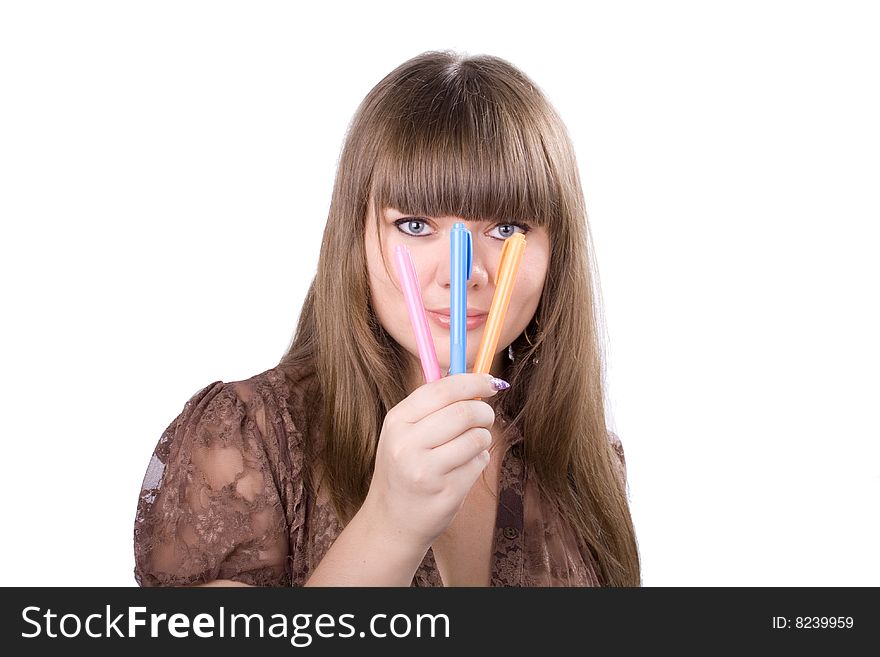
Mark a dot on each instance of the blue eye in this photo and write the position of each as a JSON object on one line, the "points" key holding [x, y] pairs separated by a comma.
{"points": [[410, 221], [512, 226]]}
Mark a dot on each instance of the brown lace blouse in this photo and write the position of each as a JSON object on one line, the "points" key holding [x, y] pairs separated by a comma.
{"points": [[223, 498]]}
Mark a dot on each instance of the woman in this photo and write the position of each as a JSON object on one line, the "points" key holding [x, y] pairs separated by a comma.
{"points": [[339, 466]]}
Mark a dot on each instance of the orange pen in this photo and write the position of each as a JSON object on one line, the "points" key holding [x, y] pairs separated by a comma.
{"points": [[511, 256]]}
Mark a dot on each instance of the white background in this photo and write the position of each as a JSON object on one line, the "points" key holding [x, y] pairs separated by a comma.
{"points": [[165, 172]]}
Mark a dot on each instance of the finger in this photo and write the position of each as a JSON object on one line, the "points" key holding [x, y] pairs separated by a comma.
{"points": [[464, 476], [435, 395], [460, 450], [452, 421]]}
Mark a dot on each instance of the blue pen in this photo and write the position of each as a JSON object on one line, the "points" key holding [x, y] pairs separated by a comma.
{"points": [[461, 257]]}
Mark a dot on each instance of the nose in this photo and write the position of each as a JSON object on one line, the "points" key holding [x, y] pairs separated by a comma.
{"points": [[479, 267]]}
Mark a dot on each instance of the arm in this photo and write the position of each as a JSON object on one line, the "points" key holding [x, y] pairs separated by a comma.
{"points": [[364, 554], [222, 582]]}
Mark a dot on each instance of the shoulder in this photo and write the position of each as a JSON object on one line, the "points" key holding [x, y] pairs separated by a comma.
{"points": [[617, 447], [282, 405], [265, 396], [267, 406], [295, 390]]}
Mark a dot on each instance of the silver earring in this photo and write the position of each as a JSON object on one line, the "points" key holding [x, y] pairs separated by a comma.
{"points": [[535, 360]]}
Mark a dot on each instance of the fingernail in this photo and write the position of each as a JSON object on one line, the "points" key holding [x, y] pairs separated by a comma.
{"points": [[499, 384]]}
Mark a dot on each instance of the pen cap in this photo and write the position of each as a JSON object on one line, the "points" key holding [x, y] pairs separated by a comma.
{"points": [[462, 247], [470, 255], [460, 264]]}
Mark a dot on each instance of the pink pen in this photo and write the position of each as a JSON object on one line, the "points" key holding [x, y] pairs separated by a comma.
{"points": [[406, 272]]}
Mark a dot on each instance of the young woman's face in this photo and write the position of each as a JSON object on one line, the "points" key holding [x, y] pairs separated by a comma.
{"points": [[428, 241]]}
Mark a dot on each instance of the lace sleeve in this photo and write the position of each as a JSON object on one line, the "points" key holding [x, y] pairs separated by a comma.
{"points": [[208, 507]]}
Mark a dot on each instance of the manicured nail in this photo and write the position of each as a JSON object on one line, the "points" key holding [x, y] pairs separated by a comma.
{"points": [[499, 384]]}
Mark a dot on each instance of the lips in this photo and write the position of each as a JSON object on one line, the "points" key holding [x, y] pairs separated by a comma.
{"points": [[443, 320], [471, 312]]}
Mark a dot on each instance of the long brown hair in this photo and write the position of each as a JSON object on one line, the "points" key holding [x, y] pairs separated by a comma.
{"points": [[470, 136]]}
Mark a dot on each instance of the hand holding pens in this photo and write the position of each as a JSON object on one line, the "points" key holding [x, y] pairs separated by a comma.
{"points": [[427, 423]]}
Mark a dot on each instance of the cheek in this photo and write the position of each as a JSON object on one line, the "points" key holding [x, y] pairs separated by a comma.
{"points": [[527, 292], [380, 279], [530, 280], [375, 275], [385, 296]]}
